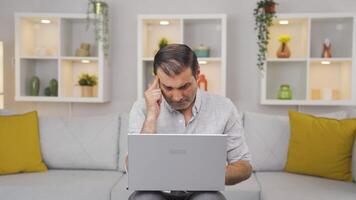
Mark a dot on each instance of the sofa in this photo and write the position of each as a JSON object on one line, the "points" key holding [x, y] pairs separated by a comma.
{"points": [[85, 158]]}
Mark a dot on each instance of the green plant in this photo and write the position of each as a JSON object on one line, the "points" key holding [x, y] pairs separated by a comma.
{"points": [[264, 14], [87, 80], [162, 43], [100, 11]]}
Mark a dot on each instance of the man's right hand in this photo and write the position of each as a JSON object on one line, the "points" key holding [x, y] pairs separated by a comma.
{"points": [[153, 97]]}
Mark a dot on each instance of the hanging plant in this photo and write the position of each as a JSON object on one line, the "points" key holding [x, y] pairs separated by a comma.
{"points": [[264, 14], [100, 11]]}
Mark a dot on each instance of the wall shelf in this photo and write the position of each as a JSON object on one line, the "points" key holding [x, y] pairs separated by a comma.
{"points": [[47, 49], [193, 30], [314, 80]]}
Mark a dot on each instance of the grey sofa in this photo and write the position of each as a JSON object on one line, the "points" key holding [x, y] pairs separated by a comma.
{"points": [[268, 181]]}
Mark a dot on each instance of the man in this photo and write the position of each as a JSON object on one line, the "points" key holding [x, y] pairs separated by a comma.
{"points": [[174, 104]]}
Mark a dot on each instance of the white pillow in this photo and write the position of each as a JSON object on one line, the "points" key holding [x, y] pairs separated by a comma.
{"points": [[80, 143], [124, 128], [267, 137]]}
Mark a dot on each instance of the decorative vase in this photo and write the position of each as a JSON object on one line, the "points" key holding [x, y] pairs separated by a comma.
{"points": [[35, 86], [202, 51], [326, 49], [283, 51], [87, 91], [47, 91], [53, 87], [202, 82], [99, 7], [284, 92]]}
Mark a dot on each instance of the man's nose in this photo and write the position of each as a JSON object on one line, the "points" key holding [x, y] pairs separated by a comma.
{"points": [[177, 95]]}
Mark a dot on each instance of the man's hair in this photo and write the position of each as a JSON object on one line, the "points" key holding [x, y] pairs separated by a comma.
{"points": [[173, 59]]}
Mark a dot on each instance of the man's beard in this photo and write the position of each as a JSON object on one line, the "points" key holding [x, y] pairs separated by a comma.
{"points": [[182, 104]]}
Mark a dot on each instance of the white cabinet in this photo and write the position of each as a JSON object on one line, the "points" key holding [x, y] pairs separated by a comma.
{"points": [[45, 46], [313, 79], [192, 30]]}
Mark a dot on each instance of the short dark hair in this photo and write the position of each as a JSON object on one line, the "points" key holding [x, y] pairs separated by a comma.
{"points": [[174, 58]]}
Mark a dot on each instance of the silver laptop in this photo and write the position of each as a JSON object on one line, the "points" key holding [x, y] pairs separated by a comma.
{"points": [[187, 162]]}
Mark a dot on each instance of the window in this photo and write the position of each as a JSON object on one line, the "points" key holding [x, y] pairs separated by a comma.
{"points": [[1, 77]]}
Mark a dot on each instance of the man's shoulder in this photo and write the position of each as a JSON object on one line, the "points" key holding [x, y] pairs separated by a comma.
{"points": [[216, 100], [139, 104]]}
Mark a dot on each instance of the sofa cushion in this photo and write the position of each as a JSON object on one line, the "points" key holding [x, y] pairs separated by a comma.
{"points": [[247, 190], [20, 144], [283, 185], [80, 142], [59, 185], [124, 124], [267, 137], [321, 146], [354, 161]]}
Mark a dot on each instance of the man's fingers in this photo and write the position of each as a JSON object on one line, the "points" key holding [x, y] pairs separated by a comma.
{"points": [[154, 85]]}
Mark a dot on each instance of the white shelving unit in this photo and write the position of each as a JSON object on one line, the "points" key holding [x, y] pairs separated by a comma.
{"points": [[193, 30], [313, 80], [47, 49]]}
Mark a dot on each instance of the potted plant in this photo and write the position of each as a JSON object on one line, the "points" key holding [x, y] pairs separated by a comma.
{"points": [[264, 14], [87, 82], [100, 11], [162, 43]]}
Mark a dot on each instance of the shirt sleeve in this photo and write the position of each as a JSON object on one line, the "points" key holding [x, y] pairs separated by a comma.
{"points": [[137, 117], [237, 148]]}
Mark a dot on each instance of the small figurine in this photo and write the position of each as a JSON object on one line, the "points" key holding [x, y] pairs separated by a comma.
{"points": [[202, 82], [326, 49]]}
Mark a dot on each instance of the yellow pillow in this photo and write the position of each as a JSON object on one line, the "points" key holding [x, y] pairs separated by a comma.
{"points": [[20, 144], [320, 146]]}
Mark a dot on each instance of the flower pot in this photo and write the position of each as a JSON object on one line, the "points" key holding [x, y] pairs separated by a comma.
{"points": [[99, 7], [283, 51], [270, 8], [87, 91]]}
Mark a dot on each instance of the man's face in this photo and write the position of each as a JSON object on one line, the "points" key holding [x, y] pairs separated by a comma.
{"points": [[178, 90]]}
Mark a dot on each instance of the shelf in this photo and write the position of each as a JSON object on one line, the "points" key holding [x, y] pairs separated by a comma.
{"points": [[212, 73], [61, 99], [286, 59], [213, 59], [70, 72], [73, 33], [330, 81], [338, 30], [297, 29], [205, 32], [48, 50], [153, 31], [44, 69], [291, 73], [307, 102], [37, 38]]}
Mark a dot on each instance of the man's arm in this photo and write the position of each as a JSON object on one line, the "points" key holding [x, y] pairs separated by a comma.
{"points": [[153, 97], [237, 172]]}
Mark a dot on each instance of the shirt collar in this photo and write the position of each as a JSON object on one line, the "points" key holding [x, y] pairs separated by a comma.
{"points": [[196, 107]]}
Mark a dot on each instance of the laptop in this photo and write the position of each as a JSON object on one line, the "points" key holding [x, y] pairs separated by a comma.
{"points": [[184, 162]]}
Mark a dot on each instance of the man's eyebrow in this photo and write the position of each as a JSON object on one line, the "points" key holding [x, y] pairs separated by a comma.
{"points": [[178, 87]]}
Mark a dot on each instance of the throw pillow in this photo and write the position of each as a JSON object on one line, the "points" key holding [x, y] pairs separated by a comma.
{"points": [[20, 144], [320, 146]]}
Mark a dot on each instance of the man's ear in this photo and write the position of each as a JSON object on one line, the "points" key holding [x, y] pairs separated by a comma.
{"points": [[197, 73]]}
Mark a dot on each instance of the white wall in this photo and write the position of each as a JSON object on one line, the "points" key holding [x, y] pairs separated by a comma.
{"points": [[243, 78]]}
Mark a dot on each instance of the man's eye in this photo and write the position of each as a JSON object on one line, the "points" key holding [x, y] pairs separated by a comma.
{"points": [[184, 87], [169, 88]]}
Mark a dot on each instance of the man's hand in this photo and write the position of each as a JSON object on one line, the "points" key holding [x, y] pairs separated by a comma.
{"points": [[153, 97], [237, 172]]}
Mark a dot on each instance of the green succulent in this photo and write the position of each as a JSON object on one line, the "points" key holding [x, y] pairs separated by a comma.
{"points": [[87, 80], [162, 43]]}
